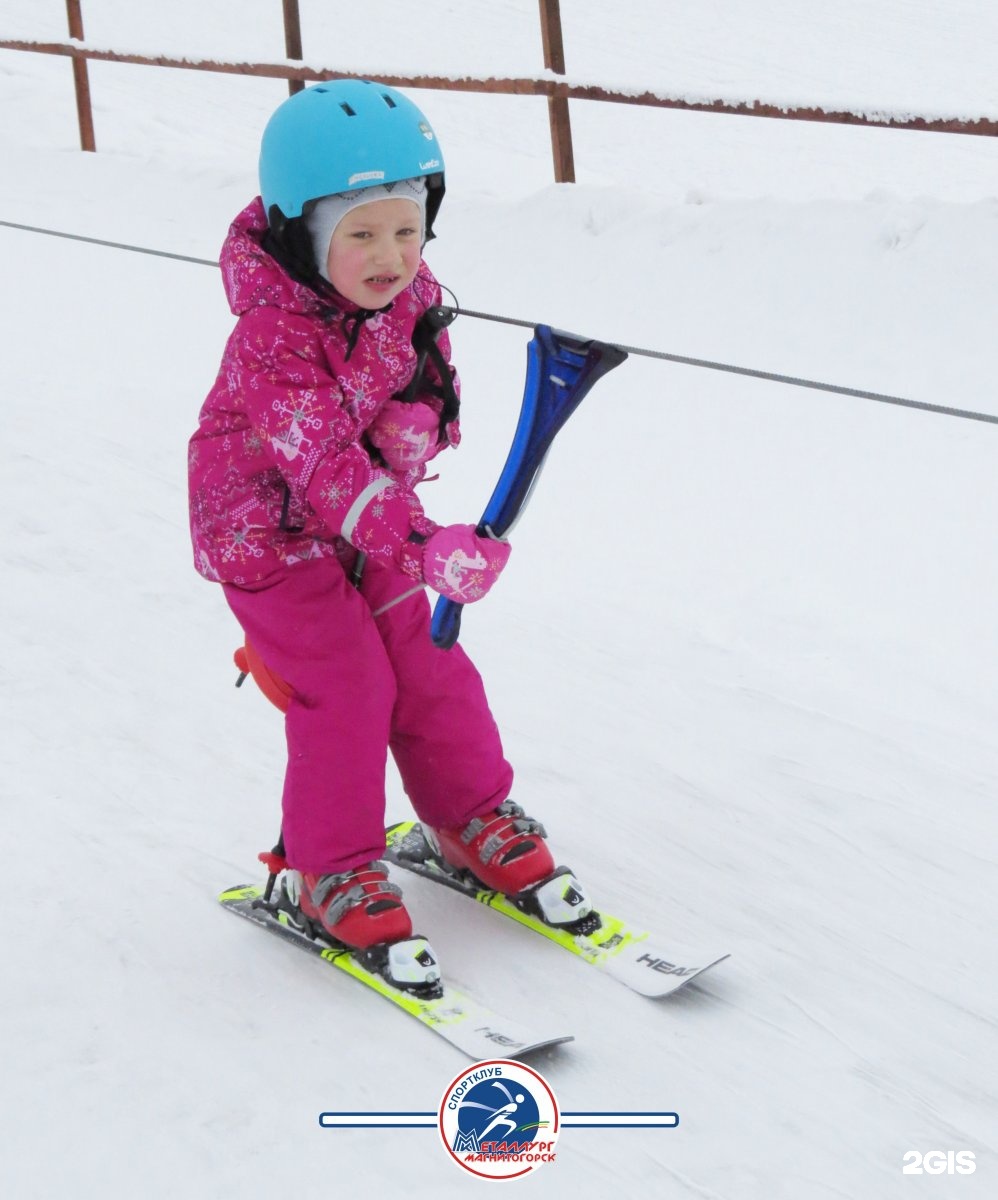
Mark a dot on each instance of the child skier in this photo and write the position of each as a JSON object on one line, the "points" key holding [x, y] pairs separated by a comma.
{"points": [[318, 427]]}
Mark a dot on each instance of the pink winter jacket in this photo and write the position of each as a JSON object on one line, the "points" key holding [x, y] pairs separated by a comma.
{"points": [[278, 469]]}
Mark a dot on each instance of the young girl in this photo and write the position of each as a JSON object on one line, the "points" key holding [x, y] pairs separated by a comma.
{"points": [[319, 425]]}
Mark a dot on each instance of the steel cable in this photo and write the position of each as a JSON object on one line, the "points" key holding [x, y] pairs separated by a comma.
{"points": [[750, 372]]}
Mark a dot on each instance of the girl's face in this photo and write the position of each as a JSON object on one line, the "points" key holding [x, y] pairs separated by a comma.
{"points": [[374, 252]]}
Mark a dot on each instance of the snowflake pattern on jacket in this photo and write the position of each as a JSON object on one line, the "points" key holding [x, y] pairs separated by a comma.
{"points": [[278, 467]]}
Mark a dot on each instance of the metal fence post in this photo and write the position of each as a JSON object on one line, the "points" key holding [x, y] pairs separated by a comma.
{"points": [[81, 79], [554, 60], [292, 40]]}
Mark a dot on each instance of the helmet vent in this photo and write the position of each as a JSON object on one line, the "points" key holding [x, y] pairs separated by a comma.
{"points": [[347, 109], [388, 100]]}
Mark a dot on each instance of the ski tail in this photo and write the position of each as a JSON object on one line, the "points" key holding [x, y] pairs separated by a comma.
{"points": [[561, 369]]}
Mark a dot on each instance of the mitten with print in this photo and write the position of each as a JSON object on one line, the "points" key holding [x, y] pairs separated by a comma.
{"points": [[406, 434], [460, 563]]}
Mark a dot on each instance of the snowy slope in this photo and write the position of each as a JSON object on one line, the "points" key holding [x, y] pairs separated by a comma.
{"points": [[742, 658]]}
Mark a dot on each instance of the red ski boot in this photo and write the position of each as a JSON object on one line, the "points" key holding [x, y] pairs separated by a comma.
{"points": [[505, 849], [358, 908], [360, 911]]}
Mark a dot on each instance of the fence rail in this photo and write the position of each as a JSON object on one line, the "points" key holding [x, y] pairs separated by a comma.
{"points": [[554, 85]]}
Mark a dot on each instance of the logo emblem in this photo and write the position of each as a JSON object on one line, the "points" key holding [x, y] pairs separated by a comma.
{"points": [[499, 1120]]}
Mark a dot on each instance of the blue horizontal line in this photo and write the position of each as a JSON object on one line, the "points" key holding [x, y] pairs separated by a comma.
{"points": [[564, 1113], [570, 1120], [591, 1120]]}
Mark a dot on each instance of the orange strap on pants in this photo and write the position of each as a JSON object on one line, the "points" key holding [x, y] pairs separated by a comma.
{"points": [[272, 685]]}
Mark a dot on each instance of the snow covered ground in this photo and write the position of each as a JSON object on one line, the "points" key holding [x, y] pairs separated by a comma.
{"points": [[743, 658]]}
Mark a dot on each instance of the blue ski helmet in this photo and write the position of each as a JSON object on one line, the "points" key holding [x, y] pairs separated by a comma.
{"points": [[340, 136]]}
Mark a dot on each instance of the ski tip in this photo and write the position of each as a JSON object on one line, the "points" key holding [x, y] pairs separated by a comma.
{"points": [[695, 977], [542, 1044], [713, 962]]}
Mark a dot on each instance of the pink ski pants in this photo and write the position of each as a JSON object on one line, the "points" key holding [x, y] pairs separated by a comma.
{"points": [[366, 682]]}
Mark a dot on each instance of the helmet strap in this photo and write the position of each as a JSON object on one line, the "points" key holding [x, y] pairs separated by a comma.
{"points": [[288, 241]]}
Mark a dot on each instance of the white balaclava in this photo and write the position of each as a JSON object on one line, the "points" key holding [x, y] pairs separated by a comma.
{"points": [[330, 210]]}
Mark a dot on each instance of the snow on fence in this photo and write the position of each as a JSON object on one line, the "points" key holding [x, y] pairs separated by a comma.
{"points": [[553, 83]]}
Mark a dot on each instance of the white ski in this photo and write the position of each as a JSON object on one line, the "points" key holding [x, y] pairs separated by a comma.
{"points": [[629, 955], [458, 1018]]}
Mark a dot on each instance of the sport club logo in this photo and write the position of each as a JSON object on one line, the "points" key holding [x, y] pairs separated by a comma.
{"points": [[499, 1120]]}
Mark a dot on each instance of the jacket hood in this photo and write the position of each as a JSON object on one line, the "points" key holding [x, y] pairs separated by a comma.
{"points": [[252, 276]]}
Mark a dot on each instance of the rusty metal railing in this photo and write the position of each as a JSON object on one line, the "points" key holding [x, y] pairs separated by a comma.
{"points": [[554, 85]]}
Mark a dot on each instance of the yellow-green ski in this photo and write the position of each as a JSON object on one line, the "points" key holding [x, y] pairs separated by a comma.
{"points": [[630, 956], [457, 1017]]}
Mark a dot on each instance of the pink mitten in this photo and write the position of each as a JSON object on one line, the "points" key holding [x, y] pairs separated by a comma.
{"points": [[406, 434], [461, 564]]}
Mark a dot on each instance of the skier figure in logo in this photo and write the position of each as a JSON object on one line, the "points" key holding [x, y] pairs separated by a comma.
{"points": [[503, 1116], [335, 391]]}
